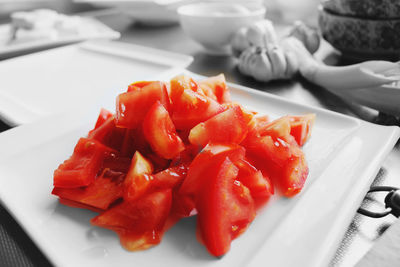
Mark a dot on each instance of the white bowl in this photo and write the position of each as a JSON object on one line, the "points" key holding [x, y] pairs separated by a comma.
{"points": [[213, 24]]}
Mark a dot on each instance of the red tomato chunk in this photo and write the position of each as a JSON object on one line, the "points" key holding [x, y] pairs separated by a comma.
{"points": [[182, 148]]}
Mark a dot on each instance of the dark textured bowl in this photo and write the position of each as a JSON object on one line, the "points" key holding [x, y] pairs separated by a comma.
{"points": [[376, 9], [359, 37]]}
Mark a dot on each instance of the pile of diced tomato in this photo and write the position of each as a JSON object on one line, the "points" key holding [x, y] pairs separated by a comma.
{"points": [[177, 149]]}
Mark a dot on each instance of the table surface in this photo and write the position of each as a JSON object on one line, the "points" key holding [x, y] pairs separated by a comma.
{"points": [[16, 249]]}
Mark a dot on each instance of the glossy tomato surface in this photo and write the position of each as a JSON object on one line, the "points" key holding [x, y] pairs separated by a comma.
{"points": [[225, 208], [160, 132]]}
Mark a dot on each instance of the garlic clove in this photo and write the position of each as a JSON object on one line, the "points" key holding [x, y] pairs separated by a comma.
{"points": [[244, 61], [292, 64], [262, 33], [278, 62], [262, 70]]}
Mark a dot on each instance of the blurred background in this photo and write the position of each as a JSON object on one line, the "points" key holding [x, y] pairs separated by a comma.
{"points": [[280, 10]]}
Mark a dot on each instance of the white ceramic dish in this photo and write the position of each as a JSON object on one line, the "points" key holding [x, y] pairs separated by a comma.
{"points": [[213, 24], [344, 155], [100, 31], [149, 12], [75, 75]]}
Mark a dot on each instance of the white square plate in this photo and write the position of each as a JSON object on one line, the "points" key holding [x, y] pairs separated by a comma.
{"points": [[344, 155]]}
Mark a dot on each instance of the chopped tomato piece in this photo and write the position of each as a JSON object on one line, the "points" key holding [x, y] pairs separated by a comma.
{"points": [[139, 224], [160, 132], [189, 106], [268, 149], [179, 84], [283, 162], [279, 128], [133, 106], [105, 190], [74, 204], [170, 177], [182, 205], [300, 127], [259, 185], [108, 134], [210, 158], [138, 180], [216, 85], [291, 180], [229, 126], [256, 123], [247, 114], [225, 209], [193, 108], [82, 167]]}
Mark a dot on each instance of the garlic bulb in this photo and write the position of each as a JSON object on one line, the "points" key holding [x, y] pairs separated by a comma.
{"points": [[265, 64], [261, 34], [265, 58]]}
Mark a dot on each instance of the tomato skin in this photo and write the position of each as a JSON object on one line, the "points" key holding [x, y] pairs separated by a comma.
{"points": [[279, 128], [137, 86], [255, 124], [193, 108], [259, 185], [247, 114], [133, 106], [74, 204], [216, 85], [297, 171], [99, 194], [104, 115], [138, 179], [225, 209], [82, 167], [160, 132], [190, 106], [140, 223], [108, 134], [182, 205], [283, 161], [229, 126], [210, 158], [170, 177], [301, 126], [180, 83]]}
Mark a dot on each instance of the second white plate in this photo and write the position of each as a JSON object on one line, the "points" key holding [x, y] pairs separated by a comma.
{"points": [[76, 76]]}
